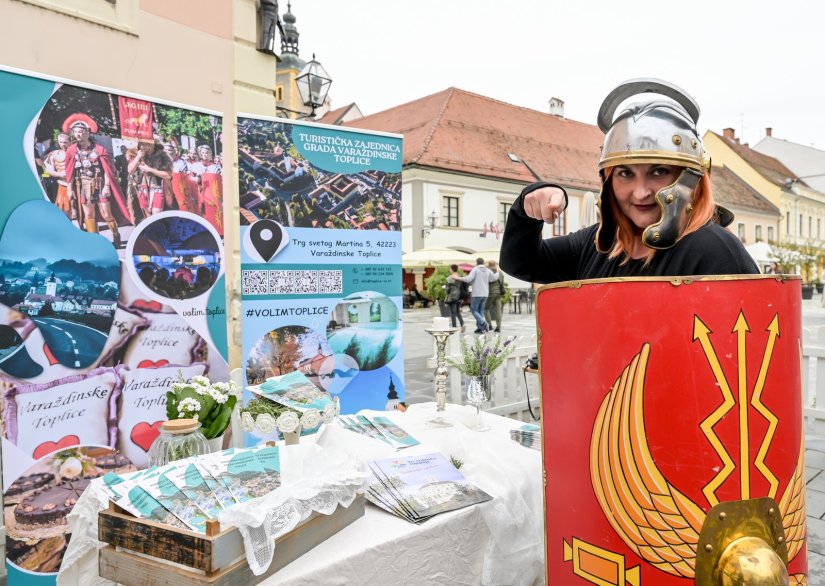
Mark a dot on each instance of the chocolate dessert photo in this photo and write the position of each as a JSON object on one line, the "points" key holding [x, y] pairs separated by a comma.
{"points": [[36, 504]]}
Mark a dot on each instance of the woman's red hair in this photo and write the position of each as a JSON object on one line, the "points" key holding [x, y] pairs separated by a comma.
{"points": [[704, 209]]}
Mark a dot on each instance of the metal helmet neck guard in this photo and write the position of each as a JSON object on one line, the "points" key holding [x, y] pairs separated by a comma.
{"points": [[652, 132]]}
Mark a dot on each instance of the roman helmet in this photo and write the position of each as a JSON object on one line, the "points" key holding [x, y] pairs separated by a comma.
{"points": [[79, 119], [654, 131]]}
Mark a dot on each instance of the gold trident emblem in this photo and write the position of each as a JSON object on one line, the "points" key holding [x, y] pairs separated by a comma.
{"points": [[702, 333], [656, 521]]}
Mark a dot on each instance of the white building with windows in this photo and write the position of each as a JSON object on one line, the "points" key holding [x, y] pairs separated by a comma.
{"points": [[466, 159]]}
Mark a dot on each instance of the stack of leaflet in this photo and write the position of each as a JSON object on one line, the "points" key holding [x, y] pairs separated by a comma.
{"points": [[296, 391], [417, 487], [528, 435], [380, 428], [186, 493]]}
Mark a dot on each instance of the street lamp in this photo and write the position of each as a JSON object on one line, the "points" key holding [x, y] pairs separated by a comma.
{"points": [[213, 122], [433, 220], [313, 85], [268, 26]]}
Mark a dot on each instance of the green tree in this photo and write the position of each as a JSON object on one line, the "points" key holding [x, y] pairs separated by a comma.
{"points": [[435, 283], [176, 122], [786, 256], [810, 252]]}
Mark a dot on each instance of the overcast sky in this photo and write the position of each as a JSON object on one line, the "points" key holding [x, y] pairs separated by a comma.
{"points": [[749, 65]]}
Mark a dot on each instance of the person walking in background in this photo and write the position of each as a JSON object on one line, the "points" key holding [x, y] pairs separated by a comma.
{"points": [[479, 280], [454, 297], [492, 309]]}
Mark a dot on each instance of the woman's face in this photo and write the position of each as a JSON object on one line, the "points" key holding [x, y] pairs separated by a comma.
{"points": [[635, 188]]}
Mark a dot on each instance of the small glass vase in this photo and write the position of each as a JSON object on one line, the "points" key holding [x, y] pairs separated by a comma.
{"points": [[178, 439], [478, 393]]}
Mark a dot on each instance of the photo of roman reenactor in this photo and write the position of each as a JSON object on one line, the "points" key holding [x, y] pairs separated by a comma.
{"points": [[148, 169], [90, 177], [207, 172], [184, 191]]}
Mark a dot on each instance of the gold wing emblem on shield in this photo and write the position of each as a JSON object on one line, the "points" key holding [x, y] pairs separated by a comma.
{"points": [[659, 523]]}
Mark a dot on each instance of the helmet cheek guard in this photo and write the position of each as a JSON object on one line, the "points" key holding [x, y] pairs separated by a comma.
{"points": [[676, 203]]}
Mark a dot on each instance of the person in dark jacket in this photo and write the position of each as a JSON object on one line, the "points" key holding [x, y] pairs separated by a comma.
{"points": [[657, 212], [454, 297], [492, 309]]}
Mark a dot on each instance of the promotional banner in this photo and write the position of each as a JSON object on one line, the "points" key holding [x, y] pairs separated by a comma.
{"points": [[111, 288], [321, 258]]}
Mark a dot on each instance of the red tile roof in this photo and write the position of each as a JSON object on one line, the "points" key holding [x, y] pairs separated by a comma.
{"points": [[463, 132], [335, 116], [730, 190], [767, 166]]}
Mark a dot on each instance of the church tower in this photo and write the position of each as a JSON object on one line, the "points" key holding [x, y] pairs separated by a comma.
{"points": [[286, 90], [287, 98], [51, 285], [392, 398]]}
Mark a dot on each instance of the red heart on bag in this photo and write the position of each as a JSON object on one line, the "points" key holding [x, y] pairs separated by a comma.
{"points": [[143, 434], [152, 363], [154, 306], [49, 447]]}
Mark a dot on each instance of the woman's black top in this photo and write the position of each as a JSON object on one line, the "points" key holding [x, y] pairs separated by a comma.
{"points": [[711, 250]]}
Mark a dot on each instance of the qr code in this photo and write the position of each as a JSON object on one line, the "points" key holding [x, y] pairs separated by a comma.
{"points": [[330, 281], [280, 282], [254, 282], [306, 282]]}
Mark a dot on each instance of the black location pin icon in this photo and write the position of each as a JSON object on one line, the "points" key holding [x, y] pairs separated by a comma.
{"points": [[266, 237]]}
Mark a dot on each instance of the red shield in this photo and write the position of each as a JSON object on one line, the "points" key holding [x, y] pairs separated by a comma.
{"points": [[661, 399]]}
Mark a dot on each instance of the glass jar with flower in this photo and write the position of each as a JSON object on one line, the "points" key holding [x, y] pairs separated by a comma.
{"points": [[477, 360], [209, 403]]}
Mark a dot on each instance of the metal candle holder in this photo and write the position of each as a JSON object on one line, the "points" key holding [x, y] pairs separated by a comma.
{"points": [[441, 373]]}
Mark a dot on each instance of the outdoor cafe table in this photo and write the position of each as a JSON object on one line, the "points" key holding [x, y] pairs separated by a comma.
{"points": [[497, 542]]}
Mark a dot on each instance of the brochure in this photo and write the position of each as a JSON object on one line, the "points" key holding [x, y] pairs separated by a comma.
{"points": [[380, 428], [426, 485], [396, 436], [243, 472], [294, 390], [164, 491], [141, 504], [191, 483], [221, 493], [528, 435]]}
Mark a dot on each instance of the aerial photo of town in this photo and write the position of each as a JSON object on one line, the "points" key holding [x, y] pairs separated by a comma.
{"points": [[277, 183]]}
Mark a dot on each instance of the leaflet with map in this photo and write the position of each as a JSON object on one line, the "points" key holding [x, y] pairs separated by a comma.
{"points": [[425, 485]]}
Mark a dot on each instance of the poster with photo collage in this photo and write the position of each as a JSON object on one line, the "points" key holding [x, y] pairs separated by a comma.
{"points": [[111, 288], [320, 213]]}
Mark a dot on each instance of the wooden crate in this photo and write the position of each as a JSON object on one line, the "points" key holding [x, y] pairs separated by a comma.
{"points": [[143, 553]]}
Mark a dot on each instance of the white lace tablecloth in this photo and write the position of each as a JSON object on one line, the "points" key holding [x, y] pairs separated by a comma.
{"points": [[493, 543]]}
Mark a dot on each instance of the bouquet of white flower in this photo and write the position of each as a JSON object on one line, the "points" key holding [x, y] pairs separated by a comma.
{"points": [[199, 398]]}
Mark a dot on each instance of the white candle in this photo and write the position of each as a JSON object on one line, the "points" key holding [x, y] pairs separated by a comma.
{"points": [[441, 323]]}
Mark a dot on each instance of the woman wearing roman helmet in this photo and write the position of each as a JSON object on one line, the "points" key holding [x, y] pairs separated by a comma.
{"points": [[657, 212]]}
